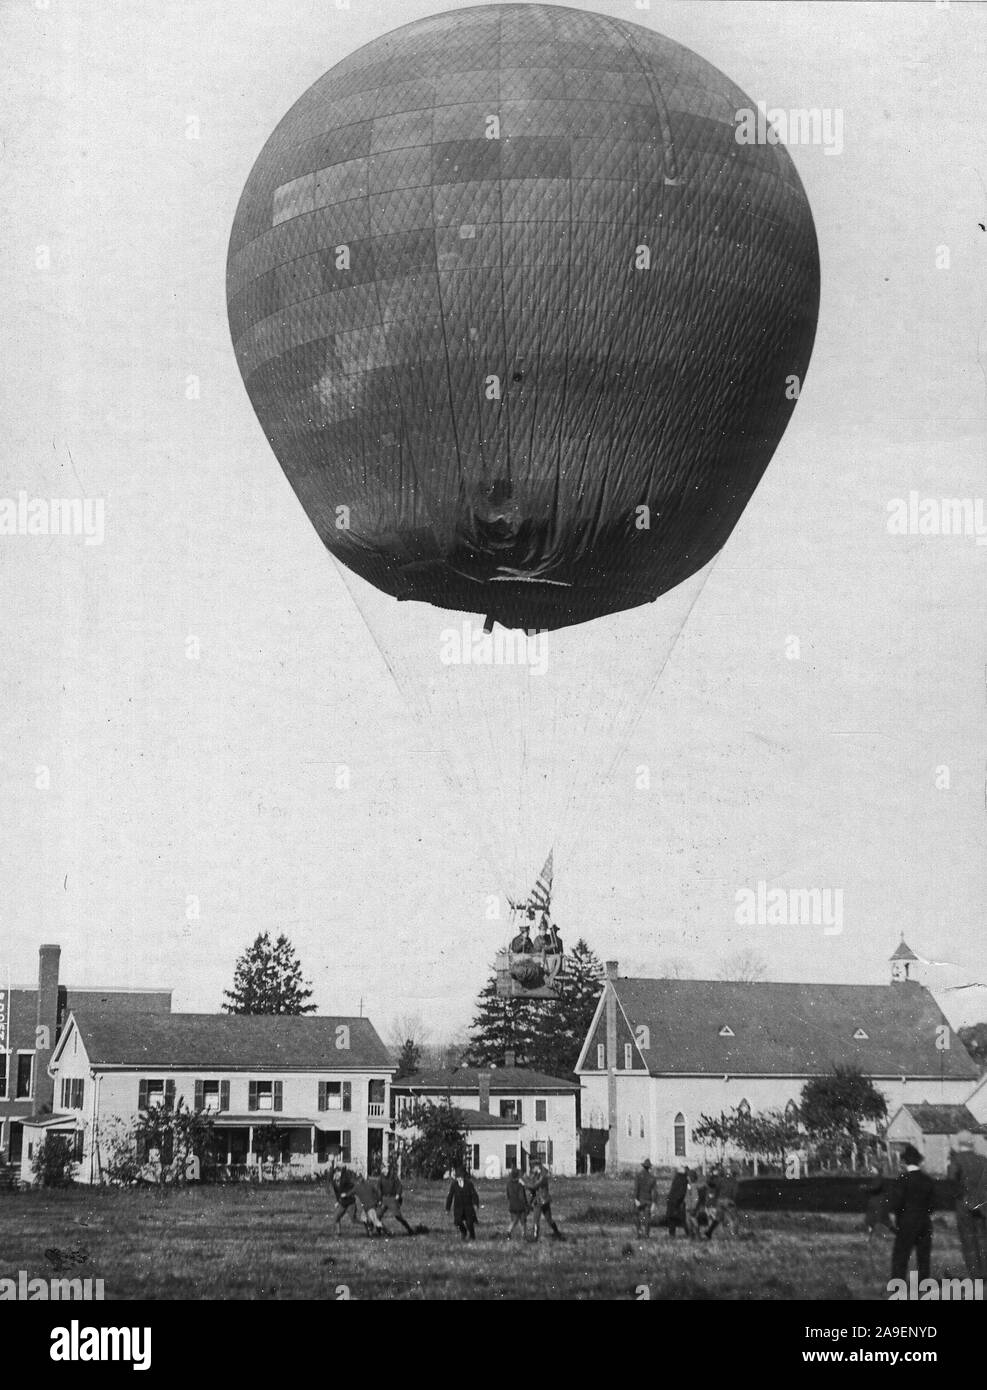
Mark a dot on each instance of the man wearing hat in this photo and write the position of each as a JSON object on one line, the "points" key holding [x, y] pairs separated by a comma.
{"points": [[968, 1171], [644, 1196], [912, 1204]]}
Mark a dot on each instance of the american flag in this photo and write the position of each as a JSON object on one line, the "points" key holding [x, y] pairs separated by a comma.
{"points": [[541, 897]]}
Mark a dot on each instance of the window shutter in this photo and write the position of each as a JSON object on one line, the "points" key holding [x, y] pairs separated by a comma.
{"points": [[200, 1095], [169, 1095], [279, 1095], [142, 1095], [344, 1139], [252, 1095], [322, 1095], [224, 1095], [549, 1153], [82, 1095], [347, 1095], [520, 1113]]}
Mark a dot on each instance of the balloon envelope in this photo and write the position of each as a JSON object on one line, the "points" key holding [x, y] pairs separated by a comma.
{"points": [[519, 314]]}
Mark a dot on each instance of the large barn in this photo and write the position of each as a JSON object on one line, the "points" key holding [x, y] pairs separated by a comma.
{"points": [[660, 1053]]}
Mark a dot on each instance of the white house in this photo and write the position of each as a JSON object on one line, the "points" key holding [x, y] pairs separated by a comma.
{"points": [[293, 1091], [516, 1116], [932, 1129], [661, 1053]]}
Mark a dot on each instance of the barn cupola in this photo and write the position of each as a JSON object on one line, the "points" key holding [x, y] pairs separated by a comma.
{"points": [[902, 963]]}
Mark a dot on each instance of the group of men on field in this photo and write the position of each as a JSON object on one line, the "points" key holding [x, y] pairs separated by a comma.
{"points": [[370, 1200], [697, 1203]]}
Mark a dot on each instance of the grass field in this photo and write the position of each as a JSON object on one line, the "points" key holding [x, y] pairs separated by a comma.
{"points": [[276, 1242]]}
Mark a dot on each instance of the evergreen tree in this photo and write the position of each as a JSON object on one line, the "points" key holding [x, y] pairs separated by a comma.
{"points": [[544, 1034], [268, 980], [559, 1026], [499, 1026], [408, 1059]]}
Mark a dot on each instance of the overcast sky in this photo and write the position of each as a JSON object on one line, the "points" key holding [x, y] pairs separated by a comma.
{"points": [[177, 784]]}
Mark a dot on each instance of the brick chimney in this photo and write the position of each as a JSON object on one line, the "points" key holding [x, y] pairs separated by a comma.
{"points": [[483, 1079], [46, 1021], [611, 969], [510, 1059]]}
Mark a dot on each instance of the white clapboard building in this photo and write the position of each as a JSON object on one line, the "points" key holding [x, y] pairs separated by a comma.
{"points": [[286, 1095], [660, 1053]]}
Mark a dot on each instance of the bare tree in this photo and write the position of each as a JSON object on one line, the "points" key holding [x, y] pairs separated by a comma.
{"points": [[747, 966], [407, 1028], [676, 968]]}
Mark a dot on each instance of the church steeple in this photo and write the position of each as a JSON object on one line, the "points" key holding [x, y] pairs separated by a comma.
{"points": [[901, 963]]}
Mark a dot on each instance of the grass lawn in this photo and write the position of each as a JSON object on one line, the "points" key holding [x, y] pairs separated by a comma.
{"points": [[275, 1241]]}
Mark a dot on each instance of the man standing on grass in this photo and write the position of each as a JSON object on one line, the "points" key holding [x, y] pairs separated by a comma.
{"points": [[517, 1205], [968, 1170], [644, 1196], [675, 1204], [463, 1201], [912, 1203], [537, 1184]]}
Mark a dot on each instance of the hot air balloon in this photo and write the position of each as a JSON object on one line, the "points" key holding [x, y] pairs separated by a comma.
{"points": [[520, 318]]}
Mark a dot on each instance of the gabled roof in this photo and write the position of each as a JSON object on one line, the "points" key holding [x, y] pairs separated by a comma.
{"points": [[783, 1029], [229, 1042], [22, 1007], [943, 1119], [466, 1080]]}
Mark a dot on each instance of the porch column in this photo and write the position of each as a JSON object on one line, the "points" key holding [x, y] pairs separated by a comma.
{"points": [[311, 1149], [250, 1144]]}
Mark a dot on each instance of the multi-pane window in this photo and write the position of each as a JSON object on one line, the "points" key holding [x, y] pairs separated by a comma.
{"points": [[628, 1057], [3, 1074], [25, 1075], [154, 1091], [510, 1110], [601, 1056], [212, 1096], [336, 1095], [541, 1110], [265, 1095], [375, 1099], [72, 1092], [510, 1156]]}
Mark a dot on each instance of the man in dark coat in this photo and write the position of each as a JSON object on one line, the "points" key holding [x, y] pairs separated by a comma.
{"points": [[912, 1203], [675, 1203], [463, 1201], [341, 1185], [517, 1204], [390, 1196], [365, 1192], [968, 1171], [644, 1196]]}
